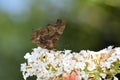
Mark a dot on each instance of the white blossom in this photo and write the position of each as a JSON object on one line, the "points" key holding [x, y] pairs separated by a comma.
{"points": [[103, 75], [115, 78], [49, 64], [91, 66], [27, 56]]}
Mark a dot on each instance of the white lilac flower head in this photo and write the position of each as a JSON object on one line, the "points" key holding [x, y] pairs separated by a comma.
{"points": [[51, 65]]}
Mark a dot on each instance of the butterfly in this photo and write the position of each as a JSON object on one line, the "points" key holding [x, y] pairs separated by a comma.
{"points": [[48, 37]]}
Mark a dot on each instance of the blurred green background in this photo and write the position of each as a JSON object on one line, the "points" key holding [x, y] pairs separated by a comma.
{"points": [[91, 24]]}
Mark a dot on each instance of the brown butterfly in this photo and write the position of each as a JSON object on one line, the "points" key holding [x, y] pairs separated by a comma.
{"points": [[47, 37]]}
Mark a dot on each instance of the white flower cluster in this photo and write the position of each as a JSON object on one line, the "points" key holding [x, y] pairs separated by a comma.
{"points": [[51, 65]]}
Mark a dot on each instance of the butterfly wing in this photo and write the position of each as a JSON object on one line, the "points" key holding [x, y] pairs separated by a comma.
{"points": [[48, 37]]}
